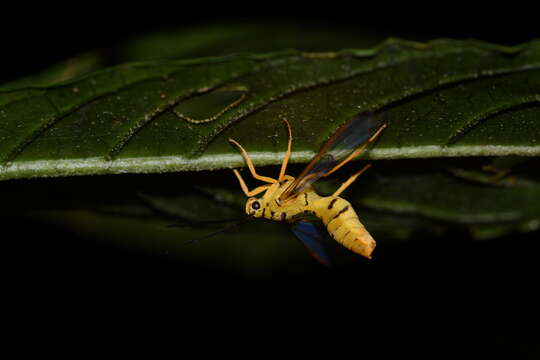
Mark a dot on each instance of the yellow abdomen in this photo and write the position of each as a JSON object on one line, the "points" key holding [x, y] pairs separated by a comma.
{"points": [[342, 223]]}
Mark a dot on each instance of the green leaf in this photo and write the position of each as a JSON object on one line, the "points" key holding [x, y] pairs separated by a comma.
{"points": [[444, 98], [470, 110], [396, 200], [216, 40]]}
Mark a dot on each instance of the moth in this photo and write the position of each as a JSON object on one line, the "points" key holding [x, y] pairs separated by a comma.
{"points": [[289, 199]]}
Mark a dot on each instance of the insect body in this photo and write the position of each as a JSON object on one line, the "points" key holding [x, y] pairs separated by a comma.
{"points": [[288, 199]]}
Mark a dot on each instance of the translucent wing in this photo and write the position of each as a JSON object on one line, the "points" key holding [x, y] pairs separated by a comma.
{"points": [[311, 235], [343, 143]]}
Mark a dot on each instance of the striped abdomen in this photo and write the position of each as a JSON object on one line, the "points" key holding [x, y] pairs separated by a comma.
{"points": [[343, 225]]}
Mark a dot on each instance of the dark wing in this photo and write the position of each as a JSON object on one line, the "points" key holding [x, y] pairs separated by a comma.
{"points": [[345, 140], [312, 236]]}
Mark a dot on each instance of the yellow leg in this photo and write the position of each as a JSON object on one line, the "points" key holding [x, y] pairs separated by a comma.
{"points": [[250, 165], [244, 187], [346, 184], [287, 154], [357, 151], [288, 177]]}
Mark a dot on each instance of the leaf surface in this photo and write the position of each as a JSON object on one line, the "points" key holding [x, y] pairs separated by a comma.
{"points": [[443, 98], [470, 111]]}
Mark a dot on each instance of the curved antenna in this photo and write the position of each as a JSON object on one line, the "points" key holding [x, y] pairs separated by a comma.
{"points": [[287, 154]]}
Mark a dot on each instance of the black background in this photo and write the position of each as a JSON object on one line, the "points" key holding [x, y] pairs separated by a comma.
{"points": [[43, 34], [58, 269]]}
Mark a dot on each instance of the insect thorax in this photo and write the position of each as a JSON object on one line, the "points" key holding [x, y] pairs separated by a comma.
{"points": [[284, 210]]}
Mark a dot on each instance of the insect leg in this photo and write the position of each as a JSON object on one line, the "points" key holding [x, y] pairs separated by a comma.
{"points": [[244, 187], [357, 151], [287, 154], [350, 181], [251, 166]]}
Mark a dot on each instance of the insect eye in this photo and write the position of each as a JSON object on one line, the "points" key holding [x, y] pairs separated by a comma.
{"points": [[256, 205]]}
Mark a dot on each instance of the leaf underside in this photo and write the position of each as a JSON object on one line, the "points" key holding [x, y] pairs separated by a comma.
{"points": [[470, 111], [441, 99]]}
